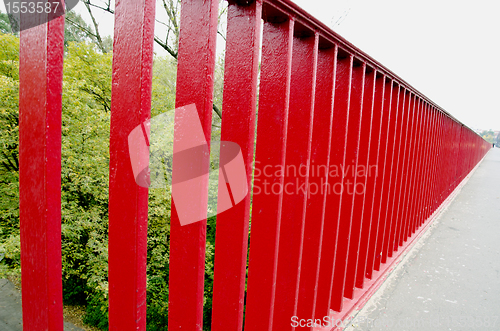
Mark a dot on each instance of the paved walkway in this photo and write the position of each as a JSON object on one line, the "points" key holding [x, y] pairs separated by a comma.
{"points": [[450, 280], [11, 309]]}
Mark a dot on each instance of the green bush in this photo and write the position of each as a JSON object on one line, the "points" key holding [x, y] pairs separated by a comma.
{"points": [[84, 180]]}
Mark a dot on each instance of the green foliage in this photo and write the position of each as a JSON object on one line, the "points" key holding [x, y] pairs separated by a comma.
{"points": [[5, 23], [209, 273], [488, 135], [84, 177], [9, 164], [84, 180], [97, 311], [74, 28]]}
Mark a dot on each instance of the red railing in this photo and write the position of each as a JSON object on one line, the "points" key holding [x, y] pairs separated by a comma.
{"points": [[382, 160]]}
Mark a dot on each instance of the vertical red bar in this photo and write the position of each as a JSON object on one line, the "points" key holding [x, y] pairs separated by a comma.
{"points": [[460, 152], [456, 139], [318, 179], [405, 180], [393, 178], [128, 203], [195, 72], [348, 183], [422, 168], [385, 117], [425, 167], [409, 195], [439, 173], [428, 183], [436, 169], [357, 226], [238, 125], [387, 170], [40, 89], [436, 129], [458, 161], [369, 233], [343, 71], [402, 147], [416, 167], [445, 159], [296, 181], [272, 123]]}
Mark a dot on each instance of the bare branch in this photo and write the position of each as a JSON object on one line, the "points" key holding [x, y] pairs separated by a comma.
{"points": [[166, 47], [222, 35], [96, 27], [217, 110], [108, 9], [81, 27]]}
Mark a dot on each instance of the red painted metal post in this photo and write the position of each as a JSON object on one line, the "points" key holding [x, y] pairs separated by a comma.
{"points": [[421, 168], [402, 147], [368, 244], [396, 161], [343, 71], [436, 131], [296, 181], [40, 87], [416, 167], [437, 173], [272, 124], [420, 207], [238, 125], [432, 151], [404, 183], [316, 203], [195, 72], [360, 228], [458, 173], [354, 108], [456, 155], [409, 195], [359, 118], [128, 203], [379, 180], [386, 169]]}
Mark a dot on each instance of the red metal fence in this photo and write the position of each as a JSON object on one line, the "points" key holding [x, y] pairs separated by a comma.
{"points": [[379, 158]]}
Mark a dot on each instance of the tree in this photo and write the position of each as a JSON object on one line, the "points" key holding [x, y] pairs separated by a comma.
{"points": [[9, 156], [5, 23], [488, 135], [171, 23]]}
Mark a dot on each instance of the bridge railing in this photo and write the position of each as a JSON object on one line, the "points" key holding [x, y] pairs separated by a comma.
{"points": [[351, 164]]}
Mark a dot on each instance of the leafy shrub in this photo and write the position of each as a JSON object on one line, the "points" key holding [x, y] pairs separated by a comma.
{"points": [[84, 183]]}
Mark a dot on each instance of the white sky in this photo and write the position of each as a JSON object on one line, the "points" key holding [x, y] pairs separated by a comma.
{"points": [[445, 49]]}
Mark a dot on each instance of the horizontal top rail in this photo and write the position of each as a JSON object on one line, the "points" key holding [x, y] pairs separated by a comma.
{"points": [[276, 10]]}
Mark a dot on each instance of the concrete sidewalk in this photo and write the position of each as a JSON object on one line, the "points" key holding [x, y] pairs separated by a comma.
{"points": [[11, 310], [450, 280]]}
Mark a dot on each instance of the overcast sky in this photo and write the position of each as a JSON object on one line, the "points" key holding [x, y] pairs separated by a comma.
{"points": [[445, 49], [448, 50]]}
